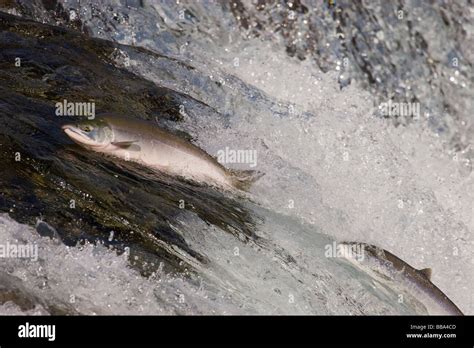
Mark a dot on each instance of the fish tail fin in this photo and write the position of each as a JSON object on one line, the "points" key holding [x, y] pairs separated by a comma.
{"points": [[426, 272], [243, 179]]}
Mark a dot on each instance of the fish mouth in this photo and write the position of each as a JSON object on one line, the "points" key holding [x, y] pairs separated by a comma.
{"points": [[78, 136]]}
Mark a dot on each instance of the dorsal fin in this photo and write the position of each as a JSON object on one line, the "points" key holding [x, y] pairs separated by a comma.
{"points": [[426, 272]]}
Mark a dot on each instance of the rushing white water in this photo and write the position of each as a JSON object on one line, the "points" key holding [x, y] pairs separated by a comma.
{"points": [[332, 171]]}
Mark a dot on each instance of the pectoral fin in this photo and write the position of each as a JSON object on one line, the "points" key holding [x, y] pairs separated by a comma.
{"points": [[129, 145], [426, 272]]}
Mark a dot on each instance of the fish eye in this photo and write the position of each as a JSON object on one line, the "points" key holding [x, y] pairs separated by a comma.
{"points": [[87, 129]]}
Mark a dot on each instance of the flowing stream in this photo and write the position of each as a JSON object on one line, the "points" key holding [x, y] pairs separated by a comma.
{"points": [[297, 84]]}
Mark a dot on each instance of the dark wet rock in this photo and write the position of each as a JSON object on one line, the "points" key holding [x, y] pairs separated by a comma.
{"points": [[46, 230]]}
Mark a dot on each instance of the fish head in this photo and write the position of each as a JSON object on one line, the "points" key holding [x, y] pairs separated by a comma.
{"points": [[92, 134]]}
